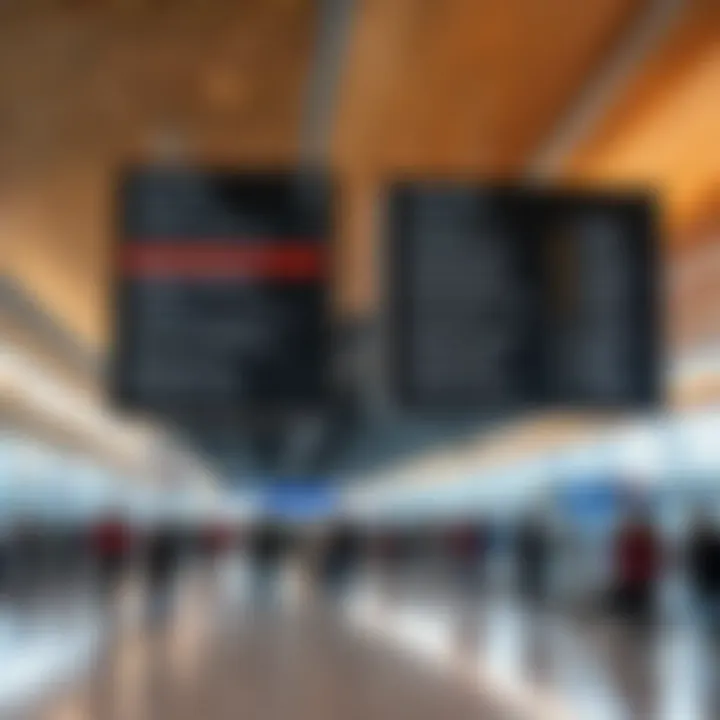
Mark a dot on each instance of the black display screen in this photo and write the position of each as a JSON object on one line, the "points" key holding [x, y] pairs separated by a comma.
{"points": [[508, 297], [221, 291]]}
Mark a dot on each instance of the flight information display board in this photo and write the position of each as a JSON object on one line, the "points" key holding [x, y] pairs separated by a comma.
{"points": [[221, 290], [502, 297]]}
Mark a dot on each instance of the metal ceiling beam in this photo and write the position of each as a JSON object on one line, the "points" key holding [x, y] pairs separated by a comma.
{"points": [[334, 26], [602, 91]]}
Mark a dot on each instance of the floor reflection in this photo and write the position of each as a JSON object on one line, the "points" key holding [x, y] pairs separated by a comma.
{"points": [[280, 650]]}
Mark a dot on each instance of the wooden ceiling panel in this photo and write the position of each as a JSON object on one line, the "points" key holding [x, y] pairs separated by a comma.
{"points": [[85, 87], [467, 84], [107, 82], [663, 130], [428, 86], [456, 86]]}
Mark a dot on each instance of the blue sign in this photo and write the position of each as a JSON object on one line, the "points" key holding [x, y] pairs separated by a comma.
{"points": [[595, 500], [299, 500]]}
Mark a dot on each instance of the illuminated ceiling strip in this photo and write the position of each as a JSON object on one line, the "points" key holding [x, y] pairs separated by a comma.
{"points": [[445, 469], [24, 380], [19, 308]]}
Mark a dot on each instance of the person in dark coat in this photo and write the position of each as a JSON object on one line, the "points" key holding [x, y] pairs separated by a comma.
{"points": [[342, 557], [533, 547], [468, 542], [268, 546], [702, 562], [163, 552]]}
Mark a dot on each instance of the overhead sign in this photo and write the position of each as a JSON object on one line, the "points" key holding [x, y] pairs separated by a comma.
{"points": [[300, 500], [588, 499], [508, 297], [221, 290]]}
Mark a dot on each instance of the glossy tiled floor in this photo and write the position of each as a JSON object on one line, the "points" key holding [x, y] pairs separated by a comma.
{"points": [[231, 655], [233, 652], [552, 665]]}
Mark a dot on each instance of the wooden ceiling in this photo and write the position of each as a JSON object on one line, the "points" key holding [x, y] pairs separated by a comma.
{"points": [[108, 79], [663, 130], [85, 86], [438, 86], [466, 85]]}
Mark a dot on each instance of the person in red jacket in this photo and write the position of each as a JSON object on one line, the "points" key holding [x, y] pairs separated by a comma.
{"points": [[638, 561], [110, 543]]}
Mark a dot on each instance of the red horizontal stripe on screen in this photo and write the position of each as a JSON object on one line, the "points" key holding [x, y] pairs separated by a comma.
{"points": [[282, 260]]}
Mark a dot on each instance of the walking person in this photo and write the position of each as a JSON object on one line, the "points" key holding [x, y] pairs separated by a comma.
{"points": [[702, 566]]}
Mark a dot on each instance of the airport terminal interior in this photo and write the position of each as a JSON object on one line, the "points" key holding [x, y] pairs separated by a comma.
{"points": [[360, 359]]}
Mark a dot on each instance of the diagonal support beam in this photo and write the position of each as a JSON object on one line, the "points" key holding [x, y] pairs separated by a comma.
{"points": [[602, 90], [334, 26]]}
